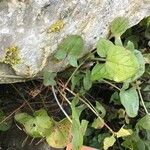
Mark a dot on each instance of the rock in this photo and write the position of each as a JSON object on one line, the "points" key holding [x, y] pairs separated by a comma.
{"points": [[29, 37]]}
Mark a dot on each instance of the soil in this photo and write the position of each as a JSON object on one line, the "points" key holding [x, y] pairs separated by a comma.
{"points": [[20, 97]]}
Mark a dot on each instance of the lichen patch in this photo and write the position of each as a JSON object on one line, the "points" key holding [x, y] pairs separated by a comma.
{"points": [[56, 26], [12, 55]]}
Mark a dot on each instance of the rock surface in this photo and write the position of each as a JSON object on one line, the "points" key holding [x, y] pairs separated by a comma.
{"points": [[28, 37]]}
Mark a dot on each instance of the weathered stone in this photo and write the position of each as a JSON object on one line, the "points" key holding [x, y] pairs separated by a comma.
{"points": [[29, 26]]}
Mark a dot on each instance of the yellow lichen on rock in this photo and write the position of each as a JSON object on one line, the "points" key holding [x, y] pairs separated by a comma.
{"points": [[56, 26], [12, 55]]}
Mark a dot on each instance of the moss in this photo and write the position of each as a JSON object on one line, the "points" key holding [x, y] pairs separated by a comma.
{"points": [[56, 26], [12, 56]]}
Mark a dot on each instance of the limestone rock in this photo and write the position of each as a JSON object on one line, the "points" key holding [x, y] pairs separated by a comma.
{"points": [[28, 40]]}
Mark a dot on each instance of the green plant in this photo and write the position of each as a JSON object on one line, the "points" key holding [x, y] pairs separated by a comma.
{"points": [[4, 125], [116, 64]]}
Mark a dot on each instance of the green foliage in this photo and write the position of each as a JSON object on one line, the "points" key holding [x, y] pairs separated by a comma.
{"points": [[97, 123], [141, 66], [38, 125], [109, 142], [119, 64], [57, 134], [100, 109], [130, 46], [99, 72], [119, 26], [72, 47], [124, 132], [75, 81], [61, 134], [144, 122], [130, 100], [103, 46], [87, 82], [48, 78], [5, 125], [78, 128]]}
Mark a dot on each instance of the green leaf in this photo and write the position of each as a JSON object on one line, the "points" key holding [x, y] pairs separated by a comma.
{"points": [[130, 100], [125, 85], [76, 45], [78, 129], [23, 118], [132, 38], [109, 142], [75, 81], [5, 125], [97, 124], [121, 64], [32, 129], [144, 122], [103, 46], [115, 98], [99, 72], [61, 54], [39, 125], [130, 46], [118, 42], [49, 78], [133, 142], [141, 66], [119, 26], [72, 46], [60, 135], [100, 109], [29, 124], [87, 83], [148, 21], [73, 61], [124, 132], [44, 123], [78, 132]]}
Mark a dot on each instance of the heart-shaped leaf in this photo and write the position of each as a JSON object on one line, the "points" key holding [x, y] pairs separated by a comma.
{"points": [[72, 46], [130, 100], [121, 64], [38, 125]]}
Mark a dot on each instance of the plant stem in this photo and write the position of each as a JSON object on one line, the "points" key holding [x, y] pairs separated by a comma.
{"points": [[64, 96], [142, 101], [53, 90], [6, 118], [90, 106], [113, 85], [88, 56], [98, 59], [23, 98]]}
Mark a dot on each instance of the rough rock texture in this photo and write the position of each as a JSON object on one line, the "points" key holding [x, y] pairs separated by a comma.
{"points": [[27, 39]]}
